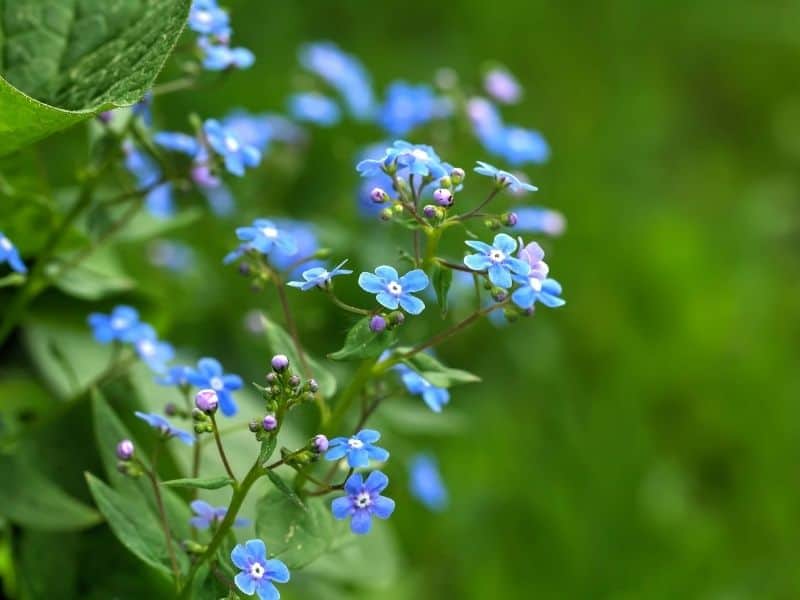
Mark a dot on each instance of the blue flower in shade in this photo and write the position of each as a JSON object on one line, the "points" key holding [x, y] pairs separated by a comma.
{"points": [[501, 85], [163, 426], [207, 18], [252, 130], [301, 256], [209, 374], [408, 106], [417, 159], [319, 277], [177, 376], [344, 73], [534, 219], [392, 290], [153, 352], [264, 235], [177, 142], [207, 515], [233, 151], [9, 254], [426, 482], [533, 289], [158, 197], [521, 146], [417, 385], [358, 449], [486, 121], [314, 108], [504, 178], [173, 256], [159, 201], [363, 500], [219, 57], [497, 260], [122, 325], [257, 572]]}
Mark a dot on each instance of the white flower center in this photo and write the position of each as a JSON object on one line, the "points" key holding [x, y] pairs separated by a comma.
{"points": [[119, 323], [363, 500], [420, 154], [497, 256], [203, 16], [231, 143], [5, 244], [394, 288], [355, 443], [256, 570], [147, 348], [535, 283], [270, 232], [216, 383]]}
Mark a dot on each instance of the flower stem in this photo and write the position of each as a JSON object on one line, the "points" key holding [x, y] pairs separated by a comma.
{"points": [[347, 307], [447, 333], [477, 209], [221, 450], [162, 513]]}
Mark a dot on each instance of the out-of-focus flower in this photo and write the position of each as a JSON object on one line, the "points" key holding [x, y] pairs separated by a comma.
{"points": [[207, 18], [236, 154], [121, 325], [10, 254], [219, 57], [319, 277], [501, 85], [426, 482], [165, 428], [314, 108], [207, 515], [408, 106]]}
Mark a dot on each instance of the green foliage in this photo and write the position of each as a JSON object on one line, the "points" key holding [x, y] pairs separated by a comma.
{"points": [[435, 372], [204, 483], [362, 343], [63, 62], [442, 280]]}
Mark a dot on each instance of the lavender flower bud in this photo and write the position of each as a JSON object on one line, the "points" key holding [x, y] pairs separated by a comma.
{"points": [[280, 362], [206, 400], [269, 423], [377, 324], [320, 443], [429, 210], [509, 219], [125, 450], [378, 195], [443, 197]]}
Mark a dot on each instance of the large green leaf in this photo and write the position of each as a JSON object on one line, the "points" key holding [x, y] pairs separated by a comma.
{"points": [[361, 342], [436, 373], [28, 498], [63, 61]]}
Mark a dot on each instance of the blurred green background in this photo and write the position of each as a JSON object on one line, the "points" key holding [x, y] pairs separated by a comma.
{"points": [[643, 441]]}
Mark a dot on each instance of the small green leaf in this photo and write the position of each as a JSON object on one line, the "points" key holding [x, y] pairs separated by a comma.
{"points": [[436, 373], [97, 276], [12, 279], [361, 342], [283, 487], [281, 343], [137, 532], [63, 62], [29, 499], [267, 448], [442, 279], [205, 483]]}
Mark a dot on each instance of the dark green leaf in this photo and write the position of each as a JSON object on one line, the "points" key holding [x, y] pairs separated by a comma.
{"points": [[442, 278], [206, 483], [361, 342], [61, 65], [284, 488]]}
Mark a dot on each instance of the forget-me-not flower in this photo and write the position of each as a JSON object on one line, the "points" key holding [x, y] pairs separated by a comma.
{"points": [[236, 154], [121, 325], [319, 276], [158, 196], [425, 482], [392, 290], [534, 219], [10, 254], [165, 428], [152, 351], [504, 178], [207, 18], [207, 515], [363, 500], [417, 385], [257, 572], [520, 146], [218, 57], [314, 107], [497, 259], [177, 376], [359, 449], [177, 142], [264, 235], [209, 374], [502, 86], [408, 106]]}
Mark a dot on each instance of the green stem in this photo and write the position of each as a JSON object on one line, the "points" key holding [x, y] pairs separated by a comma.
{"points": [[434, 235], [477, 209], [347, 307], [350, 393], [162, 513], [221, 450]]}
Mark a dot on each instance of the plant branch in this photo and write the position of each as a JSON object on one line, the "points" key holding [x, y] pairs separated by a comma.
{"points": [[221, 450]]}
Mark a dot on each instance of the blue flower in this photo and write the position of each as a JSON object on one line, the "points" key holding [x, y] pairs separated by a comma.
{"points": [[177, 376], [177, 142], [207, 515], [314, 108], [533, 289], [408, 106], [173, 256], [534, 219], [521, 146], [209, 374], [502, 86], [252, 130], [418, 159], [163, 426], [257, 572], [207, 18], [9, 254], [219, 57], [236, 154], [504, 178], [363, 500], [392, 290], [426, 482], [319, 277], [158, 198], [264, 235], [121, 325], [416, 384], [343, 72], [153, 352], [301, 256], [358, 449], [159, 201], [497, 260]]}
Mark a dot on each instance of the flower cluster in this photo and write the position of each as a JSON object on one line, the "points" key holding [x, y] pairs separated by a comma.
{"points": [[123, 326], [212, 23]]}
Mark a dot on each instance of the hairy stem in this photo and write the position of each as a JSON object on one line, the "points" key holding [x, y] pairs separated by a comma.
{"points": [[221, 450]]}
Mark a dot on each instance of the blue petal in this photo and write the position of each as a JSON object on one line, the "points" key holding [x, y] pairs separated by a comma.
{"points": [[232, 382], [245, 583], [358, 458], [505, 242], [414, 281], [234, 164], [376, 482], [371, 283], [239, 557], [411, 304], [520, 267], [368, 436], [523, 297], [388, 300], [257, 550], [266, 590], [499, 276], [210, 367], [361, 522], [377, 453], [477, 262], [341, 507], [550, 301], [277, 570], [202, 507], [354, 484], [336, 453], [226, 403], [382, 507], [387, 273], [482, 247]]}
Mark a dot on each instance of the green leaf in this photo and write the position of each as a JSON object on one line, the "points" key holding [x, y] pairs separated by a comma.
{"points": [[442, 278], [267, 448], [205, 483], [12, 279], [361, 342], [284, 488], [97, 276], [137, 532], [29, 499], [281, 343], [63, 62], [436, 373], [297, 535]]}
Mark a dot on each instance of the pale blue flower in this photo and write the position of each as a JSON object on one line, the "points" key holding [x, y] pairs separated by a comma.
{"points": [[504, 178], [392, 290], [165, 428], [497, 260], [359, 449], [319, 277], [363, 501], [257, 572], [314, 108], [207, 515], [426, 482], [236, 154]]}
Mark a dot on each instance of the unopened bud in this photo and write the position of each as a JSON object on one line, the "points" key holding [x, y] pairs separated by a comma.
{"points": [[320, 443], [280, 362], [378, 195], [206, 400], [125, 450], [269, 423]]}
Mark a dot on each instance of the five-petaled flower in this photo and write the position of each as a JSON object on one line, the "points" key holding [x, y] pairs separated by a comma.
{"points": [[258, 572], [207, 515], [504, 179], [319, 277], [165, 428], [416, 384], [264, 235], [9, 254], [535, 286], [358, 449], [153, 352], [121, 325], [363, 500], [235, 153], [392, 291], [209, 374], [497, 260], [418, 159]]}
